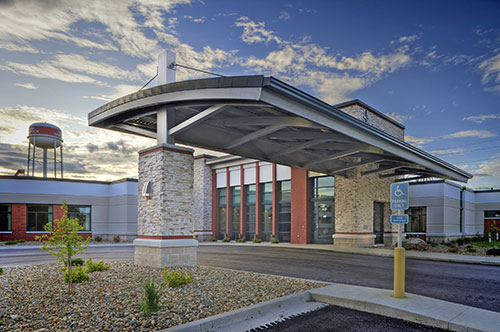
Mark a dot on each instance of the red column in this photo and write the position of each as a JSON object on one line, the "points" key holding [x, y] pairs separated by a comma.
{"points": [[242, 202], [57, 211], [215, 204], [299, 207], [18, 224], [257, 201], [228, 204], [275, 204]]}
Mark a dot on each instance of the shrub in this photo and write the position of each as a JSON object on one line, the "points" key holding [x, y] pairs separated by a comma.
{"points": [[467, 240], [176, 278], [1, 270], [274, 240], [241, 240], [434, 244], [10, 242], [21, 241], [116, 238], [471, 249], [93, 267], [75, 262], [256, 240], [213, 239], [493, 252], [453, 249], [226, 239], [460, 242], [97, 238], [78, 275], [152, 294]]}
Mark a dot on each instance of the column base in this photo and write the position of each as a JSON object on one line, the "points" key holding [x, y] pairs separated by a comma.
{"points": [[202, 236], [391, 239], [354, 240], [165, 253]]}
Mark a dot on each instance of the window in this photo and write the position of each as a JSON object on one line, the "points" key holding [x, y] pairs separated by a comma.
{"points": [[323, 187], [266, 208], [5, 217], [284, 208], [82, 213], [38, 216], [250, 211], [417, 220], [221, 212], [322, 209], [235, 211], [492, 214]]}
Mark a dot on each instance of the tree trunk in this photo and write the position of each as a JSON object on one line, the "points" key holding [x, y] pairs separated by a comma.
{"points": [[70, 276]]}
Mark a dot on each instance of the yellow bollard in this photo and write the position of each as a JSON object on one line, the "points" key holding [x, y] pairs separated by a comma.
{"points": [[399, 272]]}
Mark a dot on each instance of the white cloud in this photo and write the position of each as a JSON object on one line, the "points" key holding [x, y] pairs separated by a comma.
{"points": [[48, 70], [491, 71], [284, 15], [481, 118], [30, 86], [118, 91], [471, 133], [419, 141], [256, 32], [16, 47], [195, 20], [398, 117], [448, 151], [488, 168], [407, 39]]}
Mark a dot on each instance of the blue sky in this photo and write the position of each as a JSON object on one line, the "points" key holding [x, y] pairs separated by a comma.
{"points": [[432, 65]]}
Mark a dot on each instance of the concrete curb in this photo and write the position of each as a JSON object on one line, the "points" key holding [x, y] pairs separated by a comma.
{"points": [[222, 321], [414, 308], [90, 246], [453, 258]]}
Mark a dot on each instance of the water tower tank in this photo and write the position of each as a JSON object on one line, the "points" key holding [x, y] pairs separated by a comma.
{"points": [[47, 137]]}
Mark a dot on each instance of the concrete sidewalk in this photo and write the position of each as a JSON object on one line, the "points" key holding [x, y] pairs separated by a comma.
{"points": [[486, 260], [90, 246], [414, 308]]}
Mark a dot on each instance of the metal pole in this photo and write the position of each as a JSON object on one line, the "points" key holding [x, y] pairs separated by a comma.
{"points": [[62, 174], [400, 233], [33, 160], [164, 117], [44, 162], [55, 160], [29, 151]]}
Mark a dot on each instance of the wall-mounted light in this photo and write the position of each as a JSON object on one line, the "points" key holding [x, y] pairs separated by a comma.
{"points": [[146, 190]]}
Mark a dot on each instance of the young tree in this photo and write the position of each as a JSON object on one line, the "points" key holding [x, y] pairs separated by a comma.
{"points": [[63, 241]]}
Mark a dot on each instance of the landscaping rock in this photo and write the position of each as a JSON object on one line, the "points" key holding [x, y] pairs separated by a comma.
{"points": [[415, 244]]}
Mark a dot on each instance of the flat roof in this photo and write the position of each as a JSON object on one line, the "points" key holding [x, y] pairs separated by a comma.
{"points": [[266, 119], [36, 178]]}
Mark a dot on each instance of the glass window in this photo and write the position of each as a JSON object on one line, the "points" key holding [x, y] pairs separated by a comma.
{"points": [[221, 212], [492, 214], [266, 203], [284, 210], [5, 217], [82, 213], [323, 187], [417, 220], [322, 225], [235, 211], [38, 216], [250, 193]]}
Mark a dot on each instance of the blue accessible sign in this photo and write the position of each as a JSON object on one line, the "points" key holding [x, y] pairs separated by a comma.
{"points": [[400, 193], [399, 219]]}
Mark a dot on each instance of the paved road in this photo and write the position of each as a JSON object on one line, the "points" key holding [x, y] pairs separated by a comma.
{"points": [[469, 284]]}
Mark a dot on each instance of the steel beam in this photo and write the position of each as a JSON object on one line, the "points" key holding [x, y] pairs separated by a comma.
{"points": [[192, 121], [334, 156]]}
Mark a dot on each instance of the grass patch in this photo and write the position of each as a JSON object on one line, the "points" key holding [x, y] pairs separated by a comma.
{"points": [[484, 244]]}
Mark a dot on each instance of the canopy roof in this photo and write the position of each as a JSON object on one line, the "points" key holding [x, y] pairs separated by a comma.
{"points": [[263, 118]]}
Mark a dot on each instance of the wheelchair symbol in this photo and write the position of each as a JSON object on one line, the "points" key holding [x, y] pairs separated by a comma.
{"points": [[398, 192]]}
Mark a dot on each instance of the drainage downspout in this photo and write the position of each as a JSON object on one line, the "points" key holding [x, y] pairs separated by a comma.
{"points": [[462, 210]]}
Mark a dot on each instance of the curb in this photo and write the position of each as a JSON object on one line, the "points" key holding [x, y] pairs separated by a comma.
{"points": [[481, 260], [90, 246]]}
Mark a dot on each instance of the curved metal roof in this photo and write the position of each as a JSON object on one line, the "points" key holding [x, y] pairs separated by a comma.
{"points": [[263, 118]]}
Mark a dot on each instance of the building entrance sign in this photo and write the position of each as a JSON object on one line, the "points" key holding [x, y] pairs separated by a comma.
{"points": [[399, 219], [400, 198]]}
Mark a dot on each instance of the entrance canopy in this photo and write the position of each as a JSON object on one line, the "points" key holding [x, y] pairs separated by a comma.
{"points": [[263, 118]]}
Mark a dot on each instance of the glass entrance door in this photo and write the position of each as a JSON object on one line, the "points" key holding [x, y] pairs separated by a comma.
{"points": [[378, 222], [322, 221]]}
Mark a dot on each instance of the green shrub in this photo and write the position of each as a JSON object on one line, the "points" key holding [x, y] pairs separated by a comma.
{"points": [[493, 252], [274, 240], [452, 249], [434, 244], [1, 270], [241, 240], [460, 242], [471, 249], [10, 242], [467, 240], [75, 262], [213, 239], [256, 240], [21, 241], [176, 278], [226, 239], [97, 238], [93, 267], [78, 275], [116, 238], [152, 294]]}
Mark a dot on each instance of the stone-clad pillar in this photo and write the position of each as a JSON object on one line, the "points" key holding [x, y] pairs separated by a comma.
{"points": [[165, 218], [202, 204]]}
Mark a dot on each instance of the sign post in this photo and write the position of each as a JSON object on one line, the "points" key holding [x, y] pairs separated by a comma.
{"points": [[400, 193]]}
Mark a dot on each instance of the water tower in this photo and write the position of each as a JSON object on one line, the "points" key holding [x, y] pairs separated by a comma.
{"points": [[46, 137]]}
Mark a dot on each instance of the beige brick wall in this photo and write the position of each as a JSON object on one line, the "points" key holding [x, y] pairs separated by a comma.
{"points": [[202, 193]]}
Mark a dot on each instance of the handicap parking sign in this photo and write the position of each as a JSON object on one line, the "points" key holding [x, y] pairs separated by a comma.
{"points": [[400, 193]]}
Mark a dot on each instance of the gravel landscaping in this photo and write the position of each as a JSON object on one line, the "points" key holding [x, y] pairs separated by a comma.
{"points": [[34, 298]]}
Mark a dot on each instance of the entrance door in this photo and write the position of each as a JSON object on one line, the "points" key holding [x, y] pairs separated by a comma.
{"points": [[378, 222], [322, 226]]}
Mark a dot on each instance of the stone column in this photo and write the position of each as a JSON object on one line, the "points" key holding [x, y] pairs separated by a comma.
{"points": [[202, 205], [165, 218]]}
